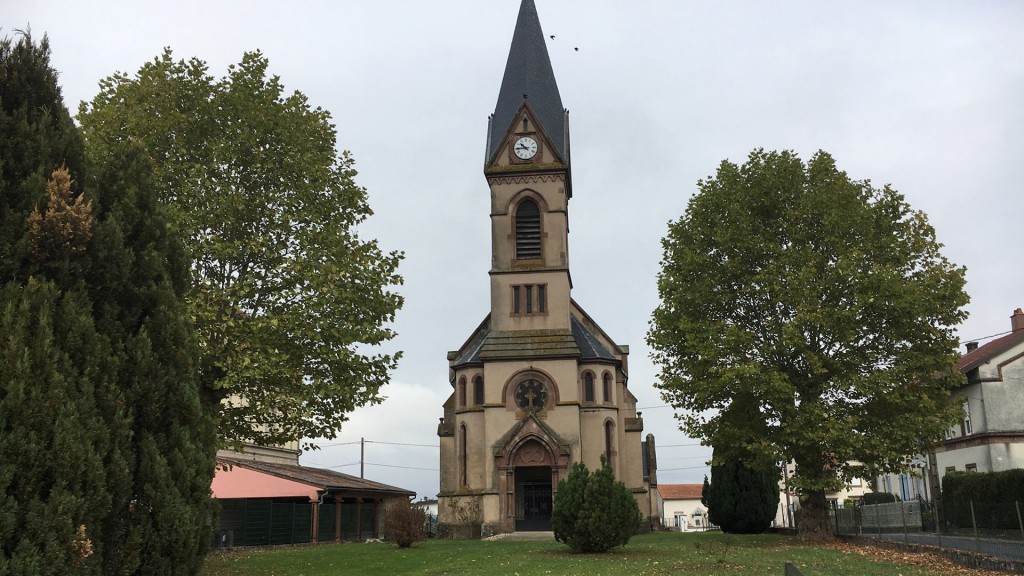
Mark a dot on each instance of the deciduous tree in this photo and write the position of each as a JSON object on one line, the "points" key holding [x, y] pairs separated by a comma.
{"points": [[288, 300], [823, 298]]}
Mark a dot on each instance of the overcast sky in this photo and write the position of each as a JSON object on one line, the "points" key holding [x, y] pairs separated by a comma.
{"points": [[927, 96]]}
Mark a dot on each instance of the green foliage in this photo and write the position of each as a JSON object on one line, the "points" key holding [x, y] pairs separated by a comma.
{"points": [[53, 441], [165, 444], [404, 523], [824, 299], [287, 300], [741, 499], [106, 453], [592, 512], [879, 498], [992, 495], [37, 136]]}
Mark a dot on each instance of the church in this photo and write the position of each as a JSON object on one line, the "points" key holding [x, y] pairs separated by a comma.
{"points": [[538, 386]]}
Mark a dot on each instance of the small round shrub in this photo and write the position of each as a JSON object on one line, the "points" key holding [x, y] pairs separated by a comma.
{"points": [[403, 523]]}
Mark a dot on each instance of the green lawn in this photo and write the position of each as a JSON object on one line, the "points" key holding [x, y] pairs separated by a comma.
{"points": [[654, 554]]}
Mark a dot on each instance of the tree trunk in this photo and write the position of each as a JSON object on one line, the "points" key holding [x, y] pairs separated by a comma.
{"points": [[814, 525]]}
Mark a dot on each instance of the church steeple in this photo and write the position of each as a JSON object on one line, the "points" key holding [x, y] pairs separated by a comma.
{"points": [[529, 79]]}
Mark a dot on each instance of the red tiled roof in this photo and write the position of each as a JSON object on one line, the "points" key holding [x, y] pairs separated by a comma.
{"points": [[325, 479], [680, 491], [983, 354]]}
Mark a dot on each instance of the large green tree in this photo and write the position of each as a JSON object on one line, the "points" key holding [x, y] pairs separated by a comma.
{"points": [[289, 303], [823, 298]]}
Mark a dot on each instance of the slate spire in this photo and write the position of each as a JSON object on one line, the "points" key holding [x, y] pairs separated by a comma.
{"points": [[529, 77]]}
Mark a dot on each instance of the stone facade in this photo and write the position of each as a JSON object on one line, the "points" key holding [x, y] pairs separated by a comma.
{"points": [[539, 385]]}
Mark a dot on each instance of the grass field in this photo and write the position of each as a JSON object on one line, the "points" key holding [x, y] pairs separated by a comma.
{"points": [[704, 554]]}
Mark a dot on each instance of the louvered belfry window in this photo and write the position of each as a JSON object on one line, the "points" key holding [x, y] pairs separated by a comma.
{"points": [[528, 231]]}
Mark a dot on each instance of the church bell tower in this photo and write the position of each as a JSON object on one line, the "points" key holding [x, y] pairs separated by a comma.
{"points": [[538, 386]]}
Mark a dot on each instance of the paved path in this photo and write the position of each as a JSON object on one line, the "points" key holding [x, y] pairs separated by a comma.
{"points": [[525, 537], [1004, 549]]}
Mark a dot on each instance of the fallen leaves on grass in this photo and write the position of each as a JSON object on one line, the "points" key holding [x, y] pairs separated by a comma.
{"points": [[938, 564]]}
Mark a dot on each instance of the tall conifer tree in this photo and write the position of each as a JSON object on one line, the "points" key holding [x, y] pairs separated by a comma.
{"points": [[106, 455]]}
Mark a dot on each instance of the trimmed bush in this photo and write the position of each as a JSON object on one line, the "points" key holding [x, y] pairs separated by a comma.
{"points": [[992, 493], [879, 498], [592, 512], [403, 523]]}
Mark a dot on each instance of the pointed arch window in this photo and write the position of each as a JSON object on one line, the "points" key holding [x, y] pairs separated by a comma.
{"points": [[606, 386], [462, 392], [528, 230]]}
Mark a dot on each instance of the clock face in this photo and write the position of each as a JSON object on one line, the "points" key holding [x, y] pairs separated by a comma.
{"points": [[531, 396], [525, 148]]}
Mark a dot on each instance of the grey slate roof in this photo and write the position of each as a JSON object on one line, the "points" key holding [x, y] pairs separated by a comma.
{"points": [[486, 344], [590, 347], [528, 71]]}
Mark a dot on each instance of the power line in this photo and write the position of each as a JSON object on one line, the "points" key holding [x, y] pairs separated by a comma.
{"points": [[402, 444], [660, 470], [403, 467], [986, 337], [654, 407], [680, 445]]}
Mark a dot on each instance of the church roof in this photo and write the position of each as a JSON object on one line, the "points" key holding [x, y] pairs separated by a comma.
{"points": [[528, 75], [487, 344], [588, 343]]}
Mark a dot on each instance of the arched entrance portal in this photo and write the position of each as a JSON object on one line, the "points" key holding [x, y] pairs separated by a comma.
{"points": [[533, 498], [530, 461]]}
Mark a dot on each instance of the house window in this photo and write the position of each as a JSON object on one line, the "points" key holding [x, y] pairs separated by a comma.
{"points": [[588, 387], [966, 427], [464, 459], [462, 392], [527, 230], [529, 300], [950, 468], [606, 386], [478, 391], [971, 467]]}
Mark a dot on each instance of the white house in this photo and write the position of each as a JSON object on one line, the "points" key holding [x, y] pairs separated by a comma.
{"points": [[990, 438], [681, 509]]}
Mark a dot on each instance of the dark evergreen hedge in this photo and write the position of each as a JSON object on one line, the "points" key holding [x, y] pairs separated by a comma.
{"points": [[742, 499], [879, 498], [992, 494]]}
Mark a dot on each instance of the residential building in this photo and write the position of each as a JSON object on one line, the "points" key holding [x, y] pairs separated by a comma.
{"points": [[538, 386], [681, 508], [990, 436]]}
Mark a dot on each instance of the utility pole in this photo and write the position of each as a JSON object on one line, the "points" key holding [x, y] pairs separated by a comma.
{"points": [[362, 454]]}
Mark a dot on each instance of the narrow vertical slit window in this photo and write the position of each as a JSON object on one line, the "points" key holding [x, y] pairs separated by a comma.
{"points": [[528, 230], [588, 387], [529, 299], [515, 299], [542, 298], [609, 433], [464, 464], [606, 386]]}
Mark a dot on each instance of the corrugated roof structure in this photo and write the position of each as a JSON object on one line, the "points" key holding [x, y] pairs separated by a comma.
{"points": [[319, 477], [529, 77]]}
